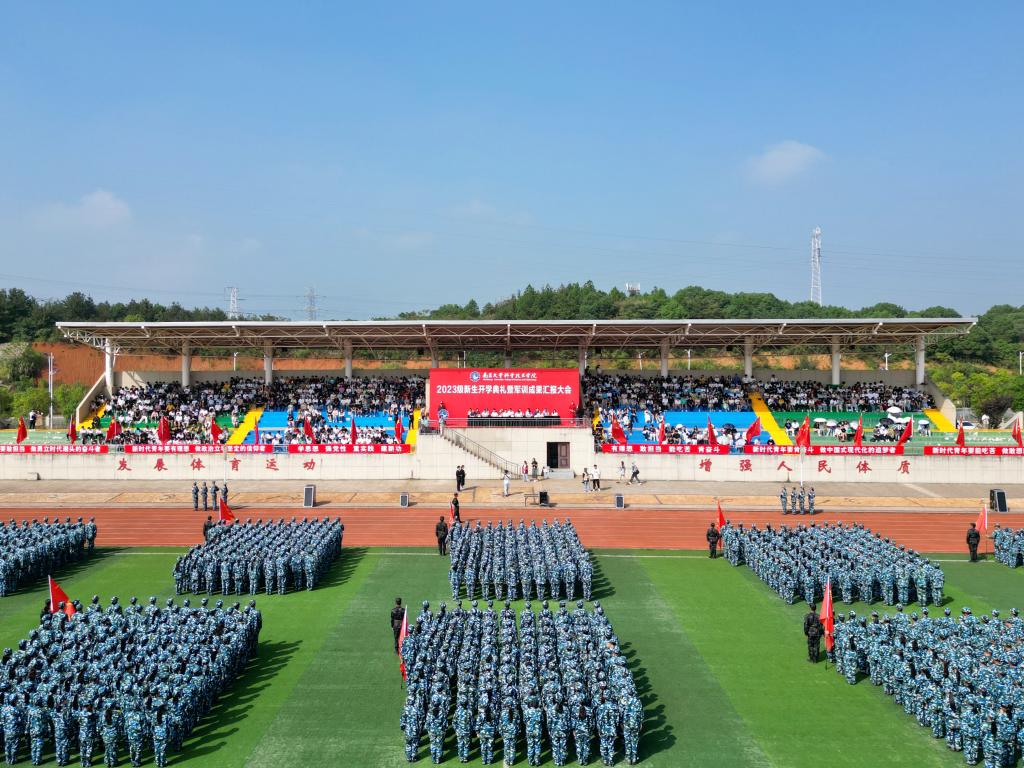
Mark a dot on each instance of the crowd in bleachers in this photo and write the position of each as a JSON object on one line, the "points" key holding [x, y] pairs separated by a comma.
{"points": [[325, 401], [510, 413], [816, 396], [325, 434], [642, 399]]}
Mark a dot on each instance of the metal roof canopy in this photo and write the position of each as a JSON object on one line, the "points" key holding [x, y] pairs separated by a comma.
{"points": [[508, 335]]}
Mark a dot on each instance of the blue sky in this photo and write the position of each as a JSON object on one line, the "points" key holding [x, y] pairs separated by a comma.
{"points": [[406, 155]]}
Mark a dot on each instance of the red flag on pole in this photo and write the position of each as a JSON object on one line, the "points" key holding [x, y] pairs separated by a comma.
{"points": [[908, 431], [712, 439], [661, 431], [399, 429], [721, 522], [256, 433], [1015, 433], [982, 522], [113, 429], [163, 430], [58, 596], [226, 515], [215, 431], [307, 429], [618, 433], [451, 514], [803, 435], [858, 436], [72, 432], [402, 633], [753, 430], [827, 618], [960, 441], [22, 430], [352, 436]]}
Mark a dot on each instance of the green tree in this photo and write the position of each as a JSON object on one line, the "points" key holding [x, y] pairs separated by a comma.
{"points": [[66, 398], [30, 398]]}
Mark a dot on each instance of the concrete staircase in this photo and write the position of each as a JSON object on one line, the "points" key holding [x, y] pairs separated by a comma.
{"points": [[478, 451]]}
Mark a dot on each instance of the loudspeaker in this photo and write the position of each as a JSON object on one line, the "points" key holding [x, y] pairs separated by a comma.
{"points": [[620, 501], [309, 496], [997, 500], [542, 498], [403, 500]]}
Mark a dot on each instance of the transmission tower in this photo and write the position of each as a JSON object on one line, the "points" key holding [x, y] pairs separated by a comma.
{"points": [[816, 266], [311, 310], [232, 292]]}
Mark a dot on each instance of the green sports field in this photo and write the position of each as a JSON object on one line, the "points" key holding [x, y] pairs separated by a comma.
{"points": [[718, 657]]}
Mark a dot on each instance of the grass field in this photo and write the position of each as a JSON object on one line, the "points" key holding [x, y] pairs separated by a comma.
{"points": [[718, 657]]}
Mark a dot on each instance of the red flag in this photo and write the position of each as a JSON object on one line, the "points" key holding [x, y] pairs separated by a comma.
{"points": [[1015, 433], [858, 436], [712, 440], [908, 431], [256, 433], [113, 429], [661, 431], [753, 430], [827, 618], [163, 430], [721, 522], [960, 436], [399, 429], [72, 432], [226, 515], [215, 431], [451, 514], [803, 435], [402, 633], [307, 429], [618, 433], [352, 437], [58, 596], [982, 522], [22, 430]]}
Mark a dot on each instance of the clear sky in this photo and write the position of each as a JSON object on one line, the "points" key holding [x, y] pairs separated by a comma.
{"points": [[401, 155]]}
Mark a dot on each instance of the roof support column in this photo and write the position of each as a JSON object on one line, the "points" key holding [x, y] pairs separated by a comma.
{"points": [[108, 366], [836, 372], [433, 357], [748, 358], [919, 360], [508, 358], [582, 357], [348, 359], [186, 364], [268, 365], [664, 358]]}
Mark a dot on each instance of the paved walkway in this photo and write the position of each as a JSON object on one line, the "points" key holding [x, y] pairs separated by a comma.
{"points": [[564, 493]]}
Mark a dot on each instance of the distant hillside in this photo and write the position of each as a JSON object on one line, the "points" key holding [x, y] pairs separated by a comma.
{"points": [[995, 341]]}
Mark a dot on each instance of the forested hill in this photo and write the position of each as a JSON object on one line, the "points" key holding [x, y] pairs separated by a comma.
{"points": [[996, 339]]}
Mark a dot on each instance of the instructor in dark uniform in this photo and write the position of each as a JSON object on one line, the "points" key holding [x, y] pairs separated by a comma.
{"points": [[713, 536], [973, 539], [397, 614], [455, 509], [813, 632], [441, 531]]}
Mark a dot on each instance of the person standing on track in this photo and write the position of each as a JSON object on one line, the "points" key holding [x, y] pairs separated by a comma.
{"points": [[973, 539], [455, 509], [441, 532]]}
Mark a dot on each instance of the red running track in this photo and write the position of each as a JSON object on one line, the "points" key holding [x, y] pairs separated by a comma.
{"points": [[598, 528]]}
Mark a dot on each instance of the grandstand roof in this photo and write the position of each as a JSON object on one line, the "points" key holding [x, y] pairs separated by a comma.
{"points": [[507, 334]]}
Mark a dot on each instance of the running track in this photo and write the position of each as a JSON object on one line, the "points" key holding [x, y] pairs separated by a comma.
{"points": [[598, 528]]}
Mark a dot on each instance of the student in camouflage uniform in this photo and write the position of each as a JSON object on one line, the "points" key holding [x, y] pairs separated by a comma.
{"points": [[239, 552]]}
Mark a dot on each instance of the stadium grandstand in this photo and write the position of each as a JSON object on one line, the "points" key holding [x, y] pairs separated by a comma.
{"points": [[422, 423]]}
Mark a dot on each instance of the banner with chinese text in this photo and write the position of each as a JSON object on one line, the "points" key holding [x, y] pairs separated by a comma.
{"points": [[461, 390], [714, 450]]}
